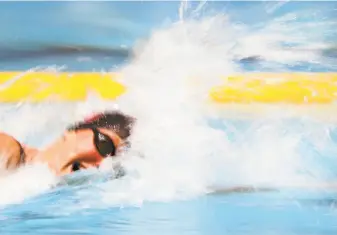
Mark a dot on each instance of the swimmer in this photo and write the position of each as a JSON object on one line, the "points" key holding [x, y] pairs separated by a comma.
{"points": [[83, 145]]}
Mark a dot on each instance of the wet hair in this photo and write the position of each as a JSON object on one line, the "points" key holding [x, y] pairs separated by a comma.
{"points": [[116, 121]]}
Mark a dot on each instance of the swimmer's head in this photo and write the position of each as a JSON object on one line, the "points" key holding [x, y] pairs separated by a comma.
{"points": [[87, 143]]}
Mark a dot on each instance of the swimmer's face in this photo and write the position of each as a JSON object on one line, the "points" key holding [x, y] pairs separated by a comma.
{"points": [[82, 149]]}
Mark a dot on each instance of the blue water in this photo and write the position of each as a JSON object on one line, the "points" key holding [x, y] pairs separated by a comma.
{"points": [[217, 214], [33, 27]]}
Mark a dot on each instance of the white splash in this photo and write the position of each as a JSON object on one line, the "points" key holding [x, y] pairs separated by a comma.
{"points": [[175, 152], [26, 182]]}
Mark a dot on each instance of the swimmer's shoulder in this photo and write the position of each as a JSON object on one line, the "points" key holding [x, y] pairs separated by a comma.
{"points": [[11, 152]]}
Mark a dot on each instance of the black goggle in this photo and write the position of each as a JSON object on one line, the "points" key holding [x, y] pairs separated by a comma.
{"points": [[104, 146], [103, 143]]}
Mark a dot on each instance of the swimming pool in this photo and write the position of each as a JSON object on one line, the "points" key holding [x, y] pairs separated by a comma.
{"points": [[167, 192], [233, 214]]}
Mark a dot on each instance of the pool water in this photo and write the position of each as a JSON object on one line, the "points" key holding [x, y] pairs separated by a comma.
{"points": [[258, 213]]}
